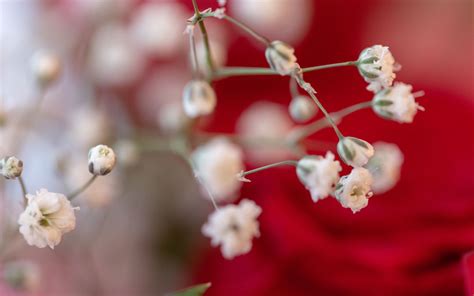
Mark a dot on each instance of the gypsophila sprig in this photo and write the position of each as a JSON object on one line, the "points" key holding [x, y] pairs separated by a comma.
{"points": [[199, 98], [11, 167], [385, 166], [46, 68], [354, 152], [377, 65], [281, 58], [302, 108], [354, 190], [101, 160]]}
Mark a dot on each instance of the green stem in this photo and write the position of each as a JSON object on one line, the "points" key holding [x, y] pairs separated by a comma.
{"points": [[331, 122], [23, 190], [82, 188], [281, 163], [247, 29], [294, 88], [205, 37], [194, 62], [335, 65]]}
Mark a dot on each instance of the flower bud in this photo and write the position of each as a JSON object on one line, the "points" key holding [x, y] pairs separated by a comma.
{"points": [[280, 56], [302, 108], [101, 160], [354, 152], [198, 98], [11, 167], [46, 68], [396, 103], [377, 65]]}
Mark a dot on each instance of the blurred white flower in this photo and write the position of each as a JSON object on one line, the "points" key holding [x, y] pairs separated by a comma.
{"points": [[354, 152], [157, 28], [171, 117], [46, 218], [46, 68], [354, 190], [198, 98], [385, 166], [217, 163], [396, 103], [22, 275], [113, 59], [11, 167], [280, 56], [89, 126], [233, 227], [101, 160], [319, 174], [377, 65], [302, 108], [222, 2], [127, 151], [103, 10]]}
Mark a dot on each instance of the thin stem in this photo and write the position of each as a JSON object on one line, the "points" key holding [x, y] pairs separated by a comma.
{"points": [[294, 87], [23, 190], [330, 120], [205, 38], [335, 65], [247, 29], [194, 58], [281, 163], [82, 188]]}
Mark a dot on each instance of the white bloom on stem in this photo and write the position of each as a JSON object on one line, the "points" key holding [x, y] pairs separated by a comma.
{"points": [[11, 167], [22, 275], [377, 65], [198, 98], [354, 190], [46, 68], [354, 152], [385, 166], [233, 227], [46, 218], [319, 174], [101, 160], [217, 163], [302, 108], [396, 103], [281, 58]]}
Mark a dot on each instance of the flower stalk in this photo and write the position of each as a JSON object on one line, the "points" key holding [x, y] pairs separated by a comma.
{"points": [[269, 166], [81, 189]]}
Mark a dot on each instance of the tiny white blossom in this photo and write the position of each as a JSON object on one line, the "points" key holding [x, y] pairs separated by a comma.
{"points": [[396, 103], [217, 164], [89, 126], [233, 227], [302, 108], [46, 68], [354, 152], [354, 190], [220, 12], [319, 174], [127, 152], [47, 217], [222, 2], [11, 167], [101, 160], [385, 166], [377, 65], [281, 58], [22, 275], [198, 98]]}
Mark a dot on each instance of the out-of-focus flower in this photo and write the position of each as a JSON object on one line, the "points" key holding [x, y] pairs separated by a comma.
{"points": [[90, 126], [353, 190], [396, 103], [127, 151], [101, 160], [22, 275], [302, 108], [233, 227], [281, 58], [222, 2], [218, 163], [114, 60], [46, 68], [103, 10], [157, 28], [198, 98], [319, 174], [46, 218], [385, 166], [11, 167], [171, 117], [377, 65], [354, 152]]}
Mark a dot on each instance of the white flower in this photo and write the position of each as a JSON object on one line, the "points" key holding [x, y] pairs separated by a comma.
{"points": [[171, 117], [396, 103], [222, 2], [127, 152], [302, 108], [353, 190], [101, 160], [354, 152], [89, 126], [22, 275], [319, 174], [217, 164], [233, 227], [198, 98], [220, 12], [46, 218], [385, 166], [46, 68], [377, 65], [11, 167], [280, 56]]}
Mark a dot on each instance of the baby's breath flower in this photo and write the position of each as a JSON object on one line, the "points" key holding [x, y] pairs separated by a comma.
{"points": [[101, 160], [47, 217], [353, 190], [127, 152], [11, 167], [396, 103], [233, 227], [319, 174], [354, 152], [220, 12], [22, 275], [302, 108], [280, 56], [198, 98], [46, 68], [222, 2], [377, 65], [385, 166]]}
